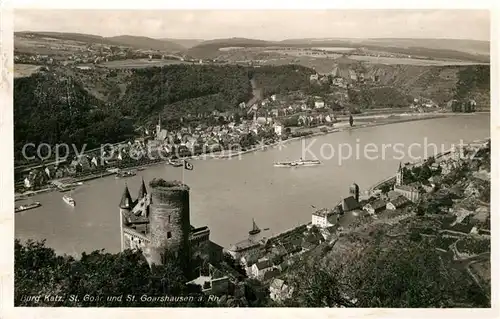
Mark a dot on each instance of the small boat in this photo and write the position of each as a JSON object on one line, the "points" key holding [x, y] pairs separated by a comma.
{"points": [[66, 188], [125, 174], [22, 208], [69, 200], [300, 162], [113, 170], [255, 229], [175, 163]]}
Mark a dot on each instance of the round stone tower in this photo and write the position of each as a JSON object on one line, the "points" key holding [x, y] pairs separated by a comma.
{"points": [[170, 226]]}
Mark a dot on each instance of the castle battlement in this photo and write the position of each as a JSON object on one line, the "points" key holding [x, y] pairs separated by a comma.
{"points": [[159, 220]]}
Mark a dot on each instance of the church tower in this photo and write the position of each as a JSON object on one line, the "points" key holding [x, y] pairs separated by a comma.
{"points": [[125, 208], [399, 176], [354, 191], [158, 127]]}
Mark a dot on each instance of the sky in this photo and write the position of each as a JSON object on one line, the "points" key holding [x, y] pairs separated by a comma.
{"points": [[261, 24]]}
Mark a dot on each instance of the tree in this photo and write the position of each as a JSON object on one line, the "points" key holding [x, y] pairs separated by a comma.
{"points": [[386, 188], [425, 173], [237, 118], [231, 262], [399, 273], [39, 271]]}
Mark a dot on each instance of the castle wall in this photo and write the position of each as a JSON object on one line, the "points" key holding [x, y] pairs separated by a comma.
{"points": [[169, 218], [134, 240]]}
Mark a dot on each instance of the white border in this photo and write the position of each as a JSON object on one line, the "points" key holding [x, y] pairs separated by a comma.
{"points": [[6, 176]]}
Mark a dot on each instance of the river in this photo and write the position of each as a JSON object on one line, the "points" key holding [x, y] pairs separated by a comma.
{"points": [[227, 193]]}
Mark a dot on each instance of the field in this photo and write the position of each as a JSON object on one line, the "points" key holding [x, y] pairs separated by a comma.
{"points": [[23, 70], [138, 63], [410, 61], [46, 45]]}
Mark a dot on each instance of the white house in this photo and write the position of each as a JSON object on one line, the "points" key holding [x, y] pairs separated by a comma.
{"points": [[324, 218], [27, 182], [278, 129], [280, 291], [319, 104], [260, 268]]}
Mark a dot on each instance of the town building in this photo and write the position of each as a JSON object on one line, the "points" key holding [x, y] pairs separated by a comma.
{"points": [[244, 247], [159, 221], [278, 129], [319, 104], [324, 218], [279, 291], [408, 191], [260, 268], [350, 203], [352, 75], [375, 207], [398, 202]]}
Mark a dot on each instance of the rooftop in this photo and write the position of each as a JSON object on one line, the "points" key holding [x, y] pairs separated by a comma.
{"points": [[263, 264], [161, 183], [323, 212], [350, 203], [399, 201], [244, 244], [378, 204], [407, 188]]}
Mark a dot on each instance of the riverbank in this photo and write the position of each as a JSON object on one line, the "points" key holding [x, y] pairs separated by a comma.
{"points": [[380, 121], [439, 155], [392, 119]]}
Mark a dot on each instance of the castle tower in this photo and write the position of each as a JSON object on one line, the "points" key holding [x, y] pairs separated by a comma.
{"points": [[169, 219], [125, 207], [399, 176], [354, 191]]}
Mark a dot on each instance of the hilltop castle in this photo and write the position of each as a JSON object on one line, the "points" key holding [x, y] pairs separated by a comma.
{"points": [[160, 220]]}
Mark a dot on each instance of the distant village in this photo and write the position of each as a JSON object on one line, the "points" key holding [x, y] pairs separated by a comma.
{"points": [[267, 122], [461, 204]]}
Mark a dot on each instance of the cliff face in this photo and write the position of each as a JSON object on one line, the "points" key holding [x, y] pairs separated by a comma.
{"points": [[438, 83]]}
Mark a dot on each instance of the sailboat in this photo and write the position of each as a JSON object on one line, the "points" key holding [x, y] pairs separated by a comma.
{"points": [[255, 229]]}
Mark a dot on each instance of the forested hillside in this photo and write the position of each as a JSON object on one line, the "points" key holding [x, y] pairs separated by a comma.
{"points": [[53, 109], [101, 105], [156, 90], [281, 79]]}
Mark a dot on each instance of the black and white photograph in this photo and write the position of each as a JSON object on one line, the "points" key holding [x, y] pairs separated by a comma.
{"points": [[322, 158]]}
